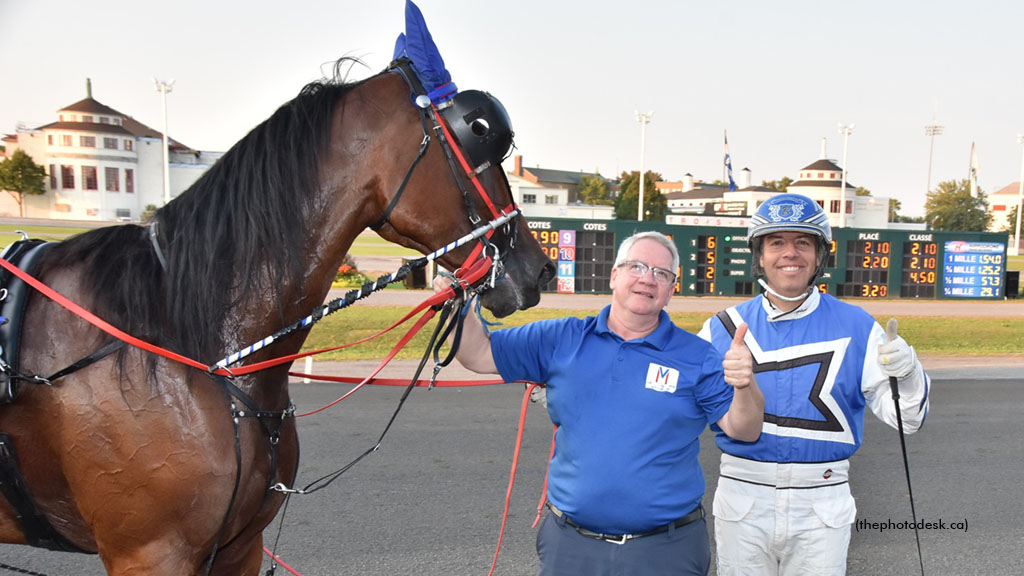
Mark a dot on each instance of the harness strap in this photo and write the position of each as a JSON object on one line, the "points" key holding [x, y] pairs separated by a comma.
{"points": [[96, 356], [408, 174], [38, 531]]}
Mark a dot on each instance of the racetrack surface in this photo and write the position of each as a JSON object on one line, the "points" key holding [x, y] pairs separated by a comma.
{"points": [[430, 500]]}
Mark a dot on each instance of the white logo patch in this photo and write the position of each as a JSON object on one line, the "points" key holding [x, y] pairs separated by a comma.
{"points": [[662, 378]]}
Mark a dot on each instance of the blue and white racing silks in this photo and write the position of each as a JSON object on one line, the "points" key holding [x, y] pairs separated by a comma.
{"points": [[817, 368]]}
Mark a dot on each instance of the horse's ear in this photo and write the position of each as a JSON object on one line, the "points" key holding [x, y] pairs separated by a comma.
{"points": [[399, 47], [419, 47]]}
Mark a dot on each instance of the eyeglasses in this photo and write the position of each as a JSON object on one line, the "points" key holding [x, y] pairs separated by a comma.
{"points": [[638, 269]]}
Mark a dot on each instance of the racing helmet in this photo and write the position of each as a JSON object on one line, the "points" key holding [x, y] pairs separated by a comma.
{"points": [[481, 127], [789, 213]]}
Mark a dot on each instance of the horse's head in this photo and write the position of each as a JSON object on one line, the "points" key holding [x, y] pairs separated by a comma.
{"points": [[440, 178]]}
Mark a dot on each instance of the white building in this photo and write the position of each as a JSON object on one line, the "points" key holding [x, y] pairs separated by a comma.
{"points": [[1000, 204], [102, 165], [820, 181], [546, 193]]}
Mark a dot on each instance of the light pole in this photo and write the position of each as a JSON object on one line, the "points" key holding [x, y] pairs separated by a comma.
{"points": [[845, 130], [163, 88], [1020, 198], [931, 130], [643, 118]]}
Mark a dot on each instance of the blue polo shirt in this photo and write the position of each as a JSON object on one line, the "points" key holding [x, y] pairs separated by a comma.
{"points": [[629, 415]]}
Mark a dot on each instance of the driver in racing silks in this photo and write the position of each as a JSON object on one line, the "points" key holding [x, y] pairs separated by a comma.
{"points": [[783, 504]]}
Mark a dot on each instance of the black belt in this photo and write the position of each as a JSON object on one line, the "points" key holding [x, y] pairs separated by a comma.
{"points": [[690, 518]]}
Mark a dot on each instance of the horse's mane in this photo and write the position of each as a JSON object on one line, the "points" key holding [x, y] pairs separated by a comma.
{"points": [[238, 231]]}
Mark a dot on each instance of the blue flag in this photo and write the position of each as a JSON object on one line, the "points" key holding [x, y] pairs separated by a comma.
{"points": [[728, 164]]}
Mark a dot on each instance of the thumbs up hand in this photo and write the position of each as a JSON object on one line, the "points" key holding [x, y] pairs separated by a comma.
{"points": [[896, 357], [738, 364]]}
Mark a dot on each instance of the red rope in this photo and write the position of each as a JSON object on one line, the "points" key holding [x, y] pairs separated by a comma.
{"points": [[512, 474], [472, 274], [396, 381], [544, 493], [102, 324], [281, 562]]}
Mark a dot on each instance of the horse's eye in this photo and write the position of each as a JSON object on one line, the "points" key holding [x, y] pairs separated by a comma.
{"points": [[480, 127]]}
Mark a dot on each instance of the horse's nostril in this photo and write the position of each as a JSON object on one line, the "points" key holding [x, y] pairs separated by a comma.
{"points": [[546, 274]]}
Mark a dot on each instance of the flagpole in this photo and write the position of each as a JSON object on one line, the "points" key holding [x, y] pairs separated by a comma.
{"points": [[972, 172], [727, 163], [1020, 198], [643, 119], [845, 130]]}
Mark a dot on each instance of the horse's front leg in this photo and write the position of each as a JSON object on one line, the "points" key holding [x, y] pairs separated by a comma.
{"points": [[240, 558], [157, 558]]}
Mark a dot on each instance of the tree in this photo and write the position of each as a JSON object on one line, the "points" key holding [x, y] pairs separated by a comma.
{"points": [[951, 207], [781, 184], [20, 175], [655, 205], [894, 210], [595, 190], [1011, 221], [148, 212]]}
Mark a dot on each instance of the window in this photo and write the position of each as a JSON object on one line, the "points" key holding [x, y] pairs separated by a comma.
{"points": [[65, 140], [529, 198], [127, 144], [833, 207], [86, 118], [53, 176], [89, 178], [123, 214], [820, 203], [112, 178], [104, 120], [551, 199], [998, 208], [821, 174], [87, 141], [61, 207], [129, 180], [115, 121], [49, 139], [110, 143], [849, 206], [67, 177]]}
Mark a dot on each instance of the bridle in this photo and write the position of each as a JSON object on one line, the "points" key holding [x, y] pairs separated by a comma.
{"points": [[435, 126]]}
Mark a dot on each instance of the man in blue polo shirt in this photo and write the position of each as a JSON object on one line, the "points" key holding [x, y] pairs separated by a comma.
{"points": [[630, 393]]}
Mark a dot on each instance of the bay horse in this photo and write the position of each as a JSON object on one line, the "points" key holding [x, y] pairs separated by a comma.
{"points": [[136, 457]]}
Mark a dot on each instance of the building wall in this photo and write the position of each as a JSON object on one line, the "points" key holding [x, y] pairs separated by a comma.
{"points": [[145, 159], [1000, 204]]}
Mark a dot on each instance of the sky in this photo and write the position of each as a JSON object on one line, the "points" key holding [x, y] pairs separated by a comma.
{"points": [[779, 76]]}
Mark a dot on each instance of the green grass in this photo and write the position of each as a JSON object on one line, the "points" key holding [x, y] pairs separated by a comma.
{"points": [[8, 234], [929, 335], [1015, 263]]}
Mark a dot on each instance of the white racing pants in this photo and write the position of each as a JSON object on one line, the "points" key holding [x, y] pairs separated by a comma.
{"points": [[782, 519]]}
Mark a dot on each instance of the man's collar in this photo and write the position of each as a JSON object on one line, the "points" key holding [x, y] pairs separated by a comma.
{"points": [[659, 338], [810, 304]]}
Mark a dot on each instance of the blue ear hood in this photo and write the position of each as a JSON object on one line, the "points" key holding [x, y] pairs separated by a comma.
{"points": [[418, 46]]}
